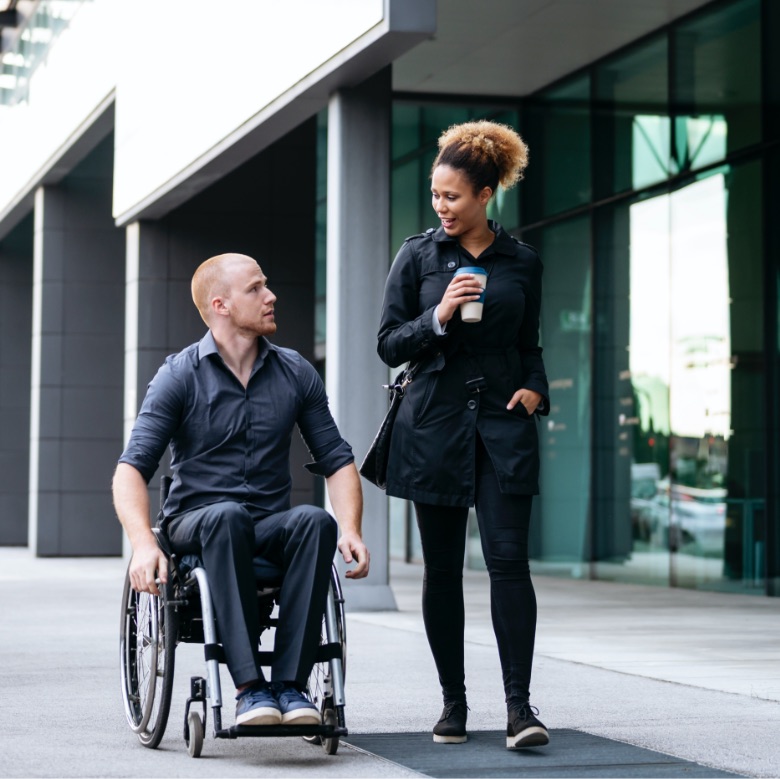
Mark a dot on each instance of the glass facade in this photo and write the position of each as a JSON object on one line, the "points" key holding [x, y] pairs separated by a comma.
{"points": [[650, 195], [30, 47], [678, 405]]}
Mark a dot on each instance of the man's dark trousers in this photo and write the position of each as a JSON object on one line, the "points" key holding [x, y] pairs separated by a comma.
{"points": [[301, 541]]}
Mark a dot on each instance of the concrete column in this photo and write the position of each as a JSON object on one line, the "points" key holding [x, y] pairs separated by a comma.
{"points": [[149, 308], [15, 326], [76, 392], [357, 257]]}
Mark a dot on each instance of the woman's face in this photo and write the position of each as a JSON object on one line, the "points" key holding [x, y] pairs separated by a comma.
{"points": [[455, 203]]}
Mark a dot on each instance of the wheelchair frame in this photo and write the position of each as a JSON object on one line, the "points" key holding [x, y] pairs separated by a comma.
{"points": [[152, 626]]}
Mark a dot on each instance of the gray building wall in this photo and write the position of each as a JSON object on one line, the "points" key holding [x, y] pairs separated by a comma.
{"points": [[16, 252], [77, 340]]}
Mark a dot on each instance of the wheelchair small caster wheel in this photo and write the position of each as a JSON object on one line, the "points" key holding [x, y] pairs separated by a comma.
{"points": [[329, 743], [194, 734]]}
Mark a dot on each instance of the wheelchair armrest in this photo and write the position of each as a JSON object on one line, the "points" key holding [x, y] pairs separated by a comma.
{"points": [[162, 541]]}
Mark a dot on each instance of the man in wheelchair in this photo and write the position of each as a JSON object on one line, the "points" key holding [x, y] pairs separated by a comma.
{"points": [[227, 407]]}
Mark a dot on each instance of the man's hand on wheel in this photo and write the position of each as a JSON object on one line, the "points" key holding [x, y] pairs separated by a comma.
{"points": [[147, 565]]}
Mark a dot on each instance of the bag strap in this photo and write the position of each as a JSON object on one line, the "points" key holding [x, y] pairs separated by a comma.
{"points": [[404, 378]]}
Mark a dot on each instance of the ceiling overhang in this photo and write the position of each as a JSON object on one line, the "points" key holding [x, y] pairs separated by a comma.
{"points": [[512, 48]]}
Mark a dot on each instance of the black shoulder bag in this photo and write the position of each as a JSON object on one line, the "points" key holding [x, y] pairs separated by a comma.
{"points": [[374, 467]]}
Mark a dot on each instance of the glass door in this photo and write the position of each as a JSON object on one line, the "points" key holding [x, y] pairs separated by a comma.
{"points": [[716, 496], [700, 399], [679, 361]]}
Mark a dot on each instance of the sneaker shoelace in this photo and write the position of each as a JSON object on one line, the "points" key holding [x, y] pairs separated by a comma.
{"points": [[450, 708], [291, 695], [524, 710]]}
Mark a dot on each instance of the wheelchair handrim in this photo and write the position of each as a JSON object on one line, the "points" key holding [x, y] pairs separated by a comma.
{"points": [[129, 659]]}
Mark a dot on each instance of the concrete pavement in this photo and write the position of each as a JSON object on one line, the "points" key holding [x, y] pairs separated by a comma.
{"points": [[691, 674]]}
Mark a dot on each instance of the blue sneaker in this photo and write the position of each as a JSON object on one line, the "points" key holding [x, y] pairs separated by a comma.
{"points": [[296, 708], [257, 705]]}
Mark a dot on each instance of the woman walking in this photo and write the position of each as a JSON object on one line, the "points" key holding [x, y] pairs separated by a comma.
{"points": [[466, 434]]}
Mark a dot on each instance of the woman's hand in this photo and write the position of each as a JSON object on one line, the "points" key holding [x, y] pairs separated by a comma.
{"points": [[528, 398], [462, 289]]}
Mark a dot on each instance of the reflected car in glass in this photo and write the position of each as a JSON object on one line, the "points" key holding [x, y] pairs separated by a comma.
{"points": [[683, 519]]}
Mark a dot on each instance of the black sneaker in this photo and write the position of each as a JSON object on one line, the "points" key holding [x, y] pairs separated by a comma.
{"points": [[451, 727], [523, 729]]}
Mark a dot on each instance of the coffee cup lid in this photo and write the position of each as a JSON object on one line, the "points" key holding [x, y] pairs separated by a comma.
{"points": [[471, 269]]}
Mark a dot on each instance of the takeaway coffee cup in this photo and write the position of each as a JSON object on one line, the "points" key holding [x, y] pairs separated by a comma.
{"points": [[472, 311]]}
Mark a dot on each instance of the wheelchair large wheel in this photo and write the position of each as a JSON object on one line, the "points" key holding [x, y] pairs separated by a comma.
{"points": [[147, 644], [321, 681]]}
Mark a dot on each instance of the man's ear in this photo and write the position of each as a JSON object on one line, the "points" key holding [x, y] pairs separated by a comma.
{"points": [[219, 306]]}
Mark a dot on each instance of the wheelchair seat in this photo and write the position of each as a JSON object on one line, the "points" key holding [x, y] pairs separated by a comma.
{"points": [[267, 574]]}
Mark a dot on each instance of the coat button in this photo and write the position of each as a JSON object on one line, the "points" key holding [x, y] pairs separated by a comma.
{"points": [[451, 264], [472, 404]]}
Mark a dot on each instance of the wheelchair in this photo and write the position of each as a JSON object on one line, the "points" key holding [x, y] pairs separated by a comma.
{"points": [[152, 626]]}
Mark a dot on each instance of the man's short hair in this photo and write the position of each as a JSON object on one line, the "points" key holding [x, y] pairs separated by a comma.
{"points": [[211, 280]]}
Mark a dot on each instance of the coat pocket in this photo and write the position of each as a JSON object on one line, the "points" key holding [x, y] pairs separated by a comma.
{"points": [[511, 381]]}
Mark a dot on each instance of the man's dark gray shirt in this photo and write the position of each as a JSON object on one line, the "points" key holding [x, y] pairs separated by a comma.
{"points": [[229, 442]]}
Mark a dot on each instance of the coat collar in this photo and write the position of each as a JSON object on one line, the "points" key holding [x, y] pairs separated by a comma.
{"points": [[503, 244]]}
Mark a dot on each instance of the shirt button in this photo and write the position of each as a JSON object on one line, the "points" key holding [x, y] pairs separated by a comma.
{"points": [[472, 404]]}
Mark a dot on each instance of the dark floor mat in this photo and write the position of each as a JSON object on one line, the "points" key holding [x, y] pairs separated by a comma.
{"points": [[569, 754]]}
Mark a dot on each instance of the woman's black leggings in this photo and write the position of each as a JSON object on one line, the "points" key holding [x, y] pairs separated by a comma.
{"points": [[503, 526]]}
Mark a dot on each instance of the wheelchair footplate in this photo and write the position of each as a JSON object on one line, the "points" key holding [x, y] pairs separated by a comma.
{"points": [[326, 734], [240, 731]]}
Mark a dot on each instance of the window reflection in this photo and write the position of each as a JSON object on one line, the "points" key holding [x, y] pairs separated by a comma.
{"points": [[632, 122], [686, 401], [717, 84], [700, 322], [650, 150], [557, 127], [701, 140], [560, 537]]}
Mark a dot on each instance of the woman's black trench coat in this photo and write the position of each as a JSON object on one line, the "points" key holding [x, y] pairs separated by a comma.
{"points": [[432, 449]]}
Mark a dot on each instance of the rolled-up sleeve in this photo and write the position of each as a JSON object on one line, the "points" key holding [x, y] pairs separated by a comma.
{"points": [[328, 450], [156, 423]]}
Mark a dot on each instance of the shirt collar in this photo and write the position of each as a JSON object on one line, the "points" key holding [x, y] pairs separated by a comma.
{"points": [[208, 346], [504, 243]]}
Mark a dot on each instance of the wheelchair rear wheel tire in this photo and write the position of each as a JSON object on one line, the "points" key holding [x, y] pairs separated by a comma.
{"points": [[320, 682], [147, 649]]}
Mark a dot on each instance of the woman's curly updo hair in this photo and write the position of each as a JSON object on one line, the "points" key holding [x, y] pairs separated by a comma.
{"points": [[487, 153]]}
